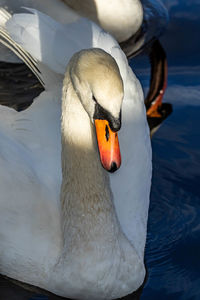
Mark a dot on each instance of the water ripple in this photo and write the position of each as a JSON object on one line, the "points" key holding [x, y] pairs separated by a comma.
{"points": [[173, 239]]}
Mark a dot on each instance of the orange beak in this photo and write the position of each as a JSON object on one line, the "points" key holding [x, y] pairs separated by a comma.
{"points": [[108, 146]]}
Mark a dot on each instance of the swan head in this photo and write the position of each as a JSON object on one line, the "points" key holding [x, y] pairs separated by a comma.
{"points": [[97, 82]]}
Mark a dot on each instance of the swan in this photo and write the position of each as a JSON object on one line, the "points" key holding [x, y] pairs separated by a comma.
{"points": [[120, 18], [125, 20], [66, 224], [135, 24]]}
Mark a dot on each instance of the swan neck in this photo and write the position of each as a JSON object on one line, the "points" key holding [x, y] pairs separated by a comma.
{"points": [[86, 198]]}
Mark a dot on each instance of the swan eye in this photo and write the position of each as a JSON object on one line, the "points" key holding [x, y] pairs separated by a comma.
{"points": [[94, 99]]}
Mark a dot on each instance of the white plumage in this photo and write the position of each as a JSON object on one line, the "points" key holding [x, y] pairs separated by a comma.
{"points": [[30, 160], [142, 20]]}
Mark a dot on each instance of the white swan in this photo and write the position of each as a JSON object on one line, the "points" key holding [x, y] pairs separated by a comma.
{"points": [[134, 21], [91, 246]]}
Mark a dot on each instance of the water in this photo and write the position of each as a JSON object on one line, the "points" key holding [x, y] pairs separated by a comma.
{"points": [[173, 240]]}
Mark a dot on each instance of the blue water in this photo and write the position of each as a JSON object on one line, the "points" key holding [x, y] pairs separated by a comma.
{"points": [[173, 240]]}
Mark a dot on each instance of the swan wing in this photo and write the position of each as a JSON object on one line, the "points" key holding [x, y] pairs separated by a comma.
{"points": [[33, 135], [40, 36], [30, 185], [30, 150], [56, 9]]}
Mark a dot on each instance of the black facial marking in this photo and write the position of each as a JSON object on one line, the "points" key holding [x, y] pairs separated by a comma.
{"points": [[102, 114], [107, 133], [94, 99]]}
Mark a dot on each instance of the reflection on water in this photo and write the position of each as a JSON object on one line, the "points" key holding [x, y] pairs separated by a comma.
{"points": [[173, 240]]}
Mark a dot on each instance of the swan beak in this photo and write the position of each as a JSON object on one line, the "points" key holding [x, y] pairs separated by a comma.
{"points": [[108, 144]]}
